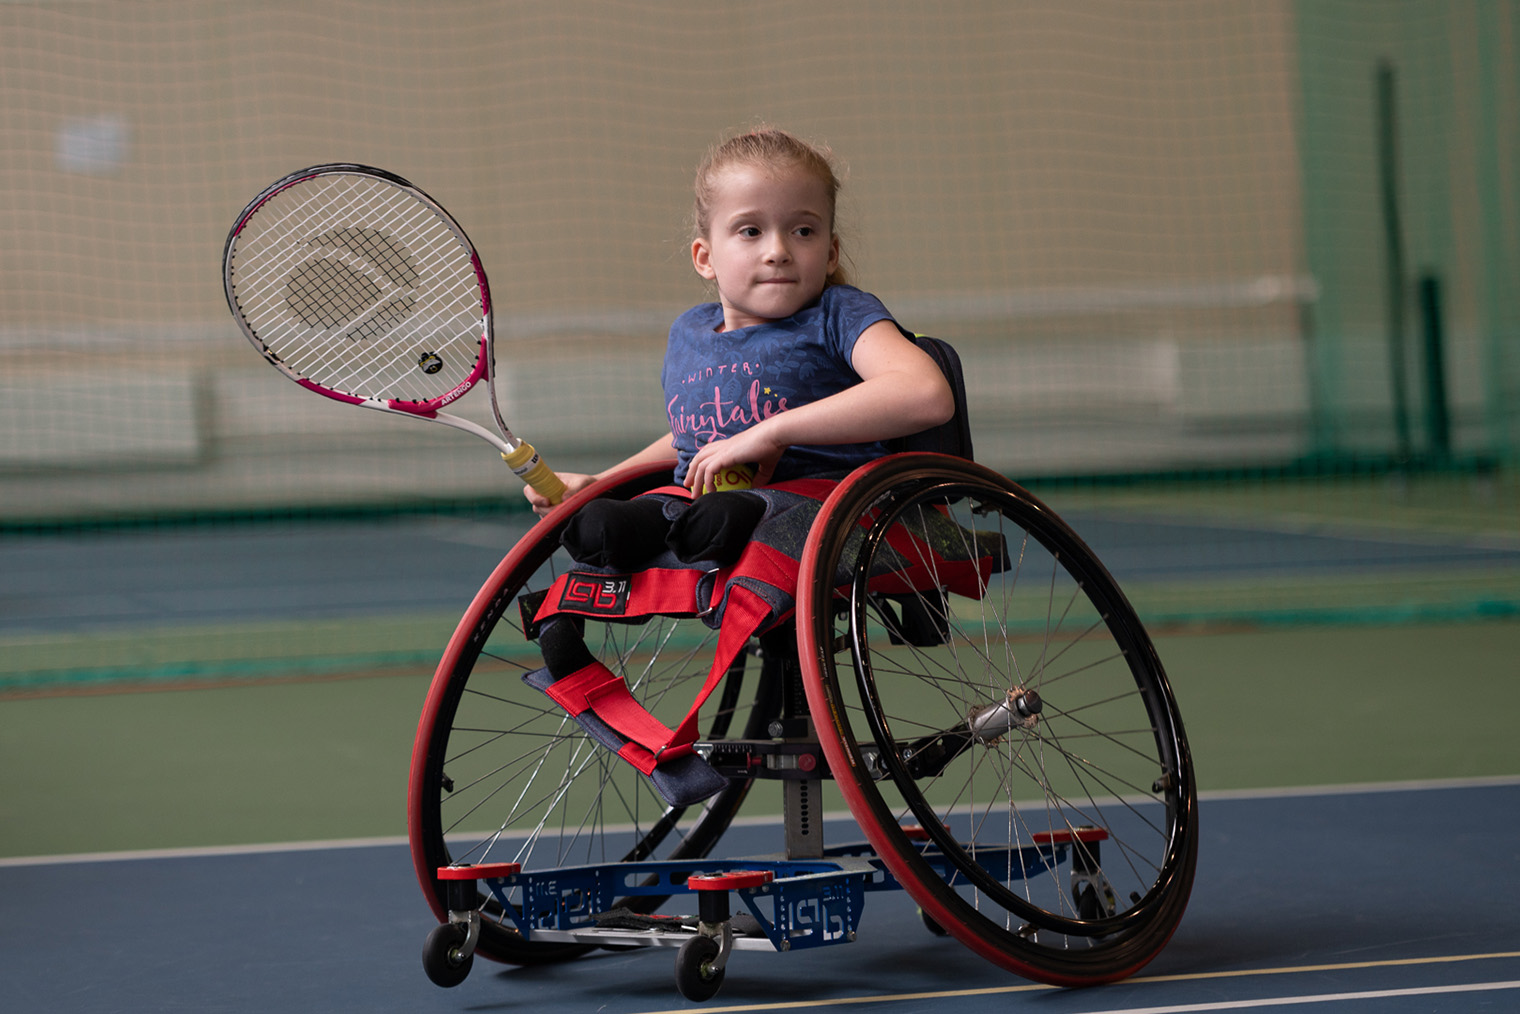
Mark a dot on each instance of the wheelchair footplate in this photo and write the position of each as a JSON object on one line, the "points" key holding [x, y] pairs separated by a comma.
{"points": [[791, 904]]}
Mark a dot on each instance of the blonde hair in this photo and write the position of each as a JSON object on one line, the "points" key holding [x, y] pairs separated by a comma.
{"points": [[772, 151]]}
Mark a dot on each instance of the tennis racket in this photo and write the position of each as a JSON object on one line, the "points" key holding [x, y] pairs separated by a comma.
{"points": [[358, 286]]}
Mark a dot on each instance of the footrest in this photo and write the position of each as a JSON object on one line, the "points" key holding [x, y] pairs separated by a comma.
{"points": [[731, 880], [483, 871], [794, 903], [459, 886]]}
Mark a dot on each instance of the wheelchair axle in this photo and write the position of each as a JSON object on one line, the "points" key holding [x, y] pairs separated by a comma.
{"points": [[1020, 710]]}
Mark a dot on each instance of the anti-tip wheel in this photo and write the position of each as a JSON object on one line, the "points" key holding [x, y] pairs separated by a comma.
{"points": [[441, 959]]}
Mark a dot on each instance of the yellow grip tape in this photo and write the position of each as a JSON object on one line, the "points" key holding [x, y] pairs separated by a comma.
{"points": [[535, 472]]}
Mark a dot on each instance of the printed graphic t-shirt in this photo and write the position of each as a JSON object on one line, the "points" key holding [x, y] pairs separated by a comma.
{"points": [[718, 384]]}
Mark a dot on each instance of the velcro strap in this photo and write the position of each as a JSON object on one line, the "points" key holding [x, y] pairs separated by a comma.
{"points": [[578, 691], [597, 689], [639, 756]]}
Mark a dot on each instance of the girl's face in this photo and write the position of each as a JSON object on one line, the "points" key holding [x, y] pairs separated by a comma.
{"points": [[769, 245]]}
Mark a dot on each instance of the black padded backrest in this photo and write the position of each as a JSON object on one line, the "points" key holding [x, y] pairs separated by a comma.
{"points": [[954, 436]]}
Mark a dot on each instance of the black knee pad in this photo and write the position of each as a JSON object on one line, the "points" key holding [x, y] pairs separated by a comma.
{"points": [[716, 527], [621, 534]]}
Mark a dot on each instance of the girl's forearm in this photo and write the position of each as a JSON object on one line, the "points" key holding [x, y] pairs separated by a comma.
{"points": [[883, 407]]}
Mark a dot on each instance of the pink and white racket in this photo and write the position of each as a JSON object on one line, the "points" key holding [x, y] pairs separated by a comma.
{"points": [[362, 288]]}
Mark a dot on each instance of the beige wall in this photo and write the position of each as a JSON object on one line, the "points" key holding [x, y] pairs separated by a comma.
{"points": [[994, 148]]}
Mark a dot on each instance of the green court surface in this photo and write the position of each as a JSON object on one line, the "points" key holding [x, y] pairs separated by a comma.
{"points": [[319, 759]]}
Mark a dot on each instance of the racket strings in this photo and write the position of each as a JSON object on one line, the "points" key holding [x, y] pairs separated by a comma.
{"points": [[358, 286], [327, 293]]}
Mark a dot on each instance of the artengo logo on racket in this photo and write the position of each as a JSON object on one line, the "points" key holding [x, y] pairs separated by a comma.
{"points": [[595, 594], [365, 299]]}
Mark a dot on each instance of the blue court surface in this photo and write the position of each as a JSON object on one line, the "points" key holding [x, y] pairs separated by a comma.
{"points": [[1373, 899], [323, 570]]}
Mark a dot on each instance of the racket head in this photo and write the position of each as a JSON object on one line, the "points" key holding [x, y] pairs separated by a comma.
{"points": [[359, 286]]}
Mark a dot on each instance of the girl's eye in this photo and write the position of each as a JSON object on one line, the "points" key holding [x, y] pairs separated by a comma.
{"points": [[749, 232], [804, 231]]}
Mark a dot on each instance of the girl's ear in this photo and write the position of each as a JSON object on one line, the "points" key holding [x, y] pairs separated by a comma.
{"points": [[833, 254], [701, 258]]}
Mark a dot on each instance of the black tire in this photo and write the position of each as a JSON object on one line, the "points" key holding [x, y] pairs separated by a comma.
{"points": [[440, 956], [695, 977], [500, 774], [1045, 630]]}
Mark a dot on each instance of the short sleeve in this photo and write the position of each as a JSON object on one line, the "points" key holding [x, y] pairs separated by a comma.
{"points": [[847, 312]]}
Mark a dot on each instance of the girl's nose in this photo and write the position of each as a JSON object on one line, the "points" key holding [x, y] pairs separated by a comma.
{"points": [[777, 252]]}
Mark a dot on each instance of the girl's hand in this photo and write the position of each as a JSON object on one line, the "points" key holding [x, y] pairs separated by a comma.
{"points": [[752, 447], [574, 483]]}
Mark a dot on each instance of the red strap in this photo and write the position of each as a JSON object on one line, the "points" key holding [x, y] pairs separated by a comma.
{"points": [[927, 569], [596, 688], [574, 693], [742, 617], [670, 592], [680, 491], [640, 757], [817, 489], [674, 592]]}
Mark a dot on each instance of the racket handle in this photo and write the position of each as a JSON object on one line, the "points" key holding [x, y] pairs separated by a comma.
{"points": [[533, 470]]}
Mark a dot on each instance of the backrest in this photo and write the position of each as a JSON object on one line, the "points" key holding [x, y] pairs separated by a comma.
{"points": [[954, 436]]}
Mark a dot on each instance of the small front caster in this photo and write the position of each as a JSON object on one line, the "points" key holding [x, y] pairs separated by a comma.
{"points": [[702, 961], [442, 956], [696, 976], [449, 951]]}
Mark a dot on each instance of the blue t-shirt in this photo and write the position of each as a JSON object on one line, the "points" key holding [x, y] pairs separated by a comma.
{"points": [[718, 384]]}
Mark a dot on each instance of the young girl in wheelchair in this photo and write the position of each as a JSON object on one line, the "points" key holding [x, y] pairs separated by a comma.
{"points": [[792, 373]]}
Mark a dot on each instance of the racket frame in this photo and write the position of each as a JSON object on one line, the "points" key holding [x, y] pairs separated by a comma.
{"points": [[520, 456]]}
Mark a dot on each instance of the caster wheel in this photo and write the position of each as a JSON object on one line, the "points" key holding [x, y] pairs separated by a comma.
{"points": [[441, 958], [1088, 906], [1093, 903], [931, 925], [696, 978]]}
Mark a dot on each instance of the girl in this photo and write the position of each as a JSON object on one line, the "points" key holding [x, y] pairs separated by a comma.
{"points": [[792, 373]]}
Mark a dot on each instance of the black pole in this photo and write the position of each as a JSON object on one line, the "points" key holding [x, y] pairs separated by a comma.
{"points": [[1393, 240], [1433, 331]]}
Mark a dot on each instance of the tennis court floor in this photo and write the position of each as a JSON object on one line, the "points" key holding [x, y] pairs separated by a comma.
{"points": [[1385, 899]]}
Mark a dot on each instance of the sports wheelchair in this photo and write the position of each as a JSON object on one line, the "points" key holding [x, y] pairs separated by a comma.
{"points": [[953, 657]]}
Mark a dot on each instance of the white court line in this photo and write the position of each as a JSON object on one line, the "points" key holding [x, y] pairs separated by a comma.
{"points": [[1172, 1008], [202, 851], [1290, 1001], [1219, 795], [1186, 977]]}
